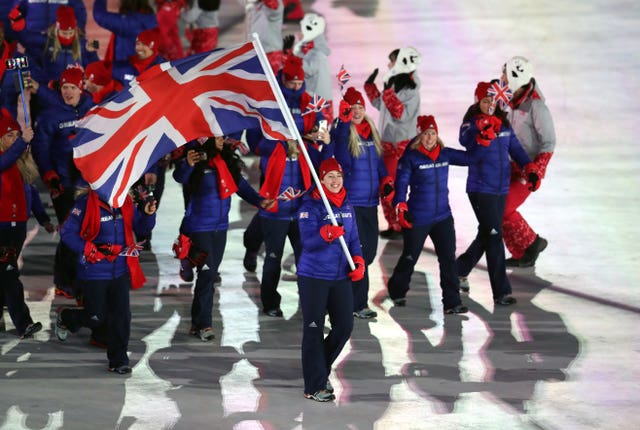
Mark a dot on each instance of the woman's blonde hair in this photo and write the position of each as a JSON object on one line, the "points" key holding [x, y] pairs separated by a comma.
{"points": [[416, 142], [27, 167], [354, 139], [52, 40]]}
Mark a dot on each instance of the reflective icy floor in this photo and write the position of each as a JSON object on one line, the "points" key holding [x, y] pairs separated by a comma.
{"points": [[564, 358]]}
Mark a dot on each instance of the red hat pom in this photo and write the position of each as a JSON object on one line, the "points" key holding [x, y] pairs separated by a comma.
{"points": [[292, 69], [65, 18], [425, 122], [354, 97], [328, 165]]}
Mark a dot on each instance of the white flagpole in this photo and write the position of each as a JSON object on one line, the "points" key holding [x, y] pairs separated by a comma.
{"points": [[296, 134]]}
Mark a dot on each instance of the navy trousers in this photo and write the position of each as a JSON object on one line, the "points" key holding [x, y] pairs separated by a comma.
{"points": [[367, 222], [106, 305], [317, 296], [275, 233], [443, 236], [213, 243], [489, 209], [11, 288]]}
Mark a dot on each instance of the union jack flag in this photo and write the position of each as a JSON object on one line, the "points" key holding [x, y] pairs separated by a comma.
{"points": [[316, 105], [290, 194], [214, 93], [501, 94], [343, 77]]}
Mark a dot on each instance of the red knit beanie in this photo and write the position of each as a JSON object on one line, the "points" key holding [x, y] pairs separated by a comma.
{"points": [[292, 69], [150, 38], [481, 90], [425, 122], [7, 123], [329, 165], [98, 72], [65, 18], [354, 97], [72, 75]]}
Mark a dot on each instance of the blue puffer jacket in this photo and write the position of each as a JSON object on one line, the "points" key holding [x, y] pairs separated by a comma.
{"points": [[292, 185], [319, 259], [40, 15], [51, 147], [206, 211], [490, 166], [111, 232], [427, 180], [362, 174], [125, 27], [45, 68]]}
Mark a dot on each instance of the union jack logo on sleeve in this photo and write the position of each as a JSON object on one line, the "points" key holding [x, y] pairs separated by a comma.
{"points": [[501, 94], [214, 93]]}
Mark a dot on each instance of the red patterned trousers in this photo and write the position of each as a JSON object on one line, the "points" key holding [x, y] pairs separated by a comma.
{"points": [[517, 233]]}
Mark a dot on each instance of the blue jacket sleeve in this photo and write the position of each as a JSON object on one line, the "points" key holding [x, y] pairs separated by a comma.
{"points": [[182, 172], [70, 231], [143, 223], [468, 131], [37, 208], [403, 175], [457, 157], [41, 144], [247, 193], [309, 226]]}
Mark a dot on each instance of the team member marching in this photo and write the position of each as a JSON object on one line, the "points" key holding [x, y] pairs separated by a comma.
{"points": [[19, 198], [424, 170], [324, 279], [358, 149], [213, 172], [108, 267]]}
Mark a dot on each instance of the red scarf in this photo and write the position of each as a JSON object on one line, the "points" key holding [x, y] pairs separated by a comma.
{"points": [[433, 154], [14, 202], [275, 172], [307, 47], [529, 92], [226, 185], [336, 199], [363, 129], [91, 227], [141, 65]]}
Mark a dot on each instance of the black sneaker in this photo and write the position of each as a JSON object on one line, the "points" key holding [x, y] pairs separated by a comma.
{"points": [[60, 329], [217, 280], [274, 312], [390, 234], [206, 334], [320, 396], [121, 370], [533, 251], [402, 302], [512, 262], [460, 309], [505, 300], [250, 261], [329, 387], [31, 329], [365, 314]]}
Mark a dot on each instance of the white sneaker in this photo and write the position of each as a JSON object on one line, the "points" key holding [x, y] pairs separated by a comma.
{"points": [[464, 284]]}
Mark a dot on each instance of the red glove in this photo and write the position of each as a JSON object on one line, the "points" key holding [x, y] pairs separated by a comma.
{"points": [[345, 111], [372, 91], [330, 232], [532, 174], [181, 246], [110, 251], [496, 123], [52, 180], [403, 216], [393, 103], [92, 254], [486, 132], [386, 189], [16, 16], [358, 273]]}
